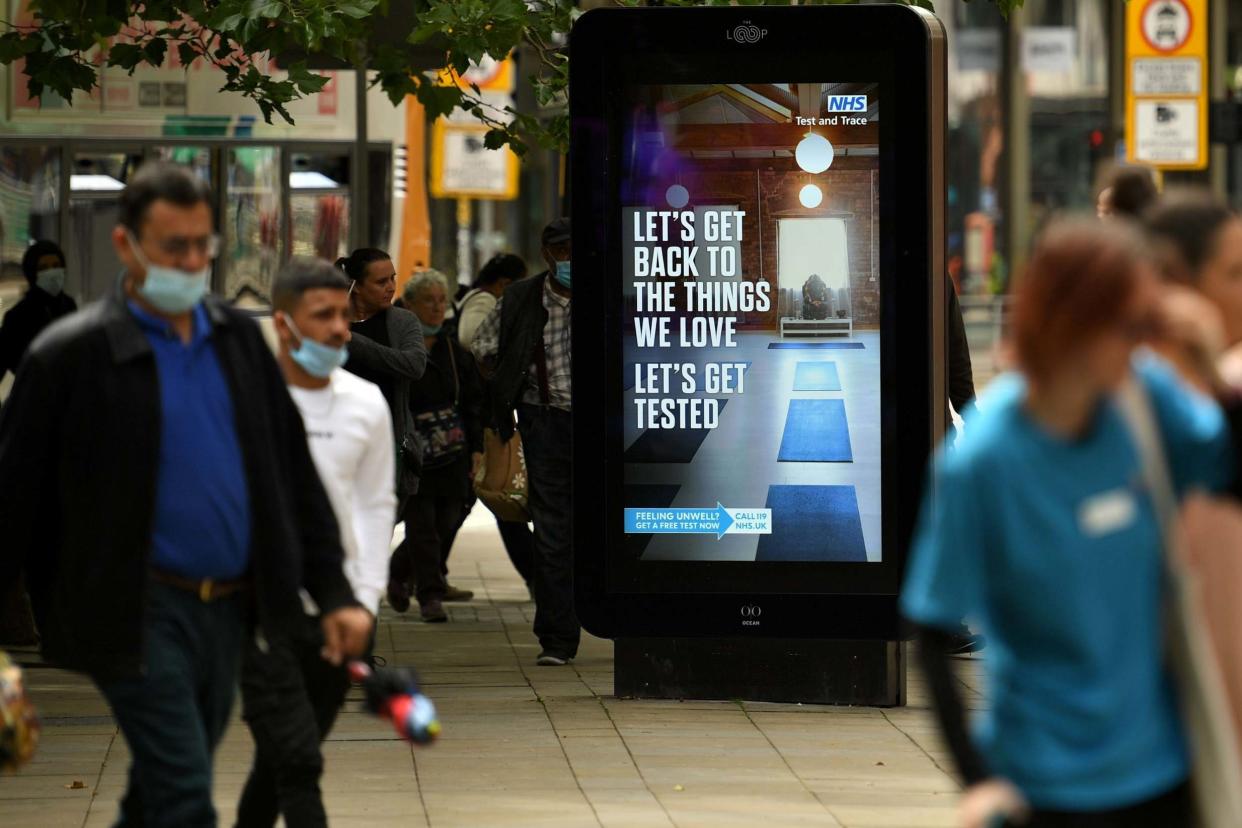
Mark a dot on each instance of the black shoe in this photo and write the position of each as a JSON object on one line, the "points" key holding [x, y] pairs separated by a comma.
{"points": [[433, 612], [399, 597], [964, 643], [459, 596], [550, 659]]}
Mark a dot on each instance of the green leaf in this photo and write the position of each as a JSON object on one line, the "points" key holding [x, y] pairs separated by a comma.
{"points": [[266, 10], [423, 33], [496, 138], [155, 52], [126, 56], [438, 100], [14, 45], [231, 22], [306, 82], [398, 86], [187, 53], [64, 75], [357, 9]]}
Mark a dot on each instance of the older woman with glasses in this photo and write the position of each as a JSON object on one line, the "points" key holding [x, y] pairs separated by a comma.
{"points": [[446, 407]]}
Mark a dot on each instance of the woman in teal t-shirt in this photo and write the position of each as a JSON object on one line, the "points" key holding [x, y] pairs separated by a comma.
{"points": [[1042, 533]]}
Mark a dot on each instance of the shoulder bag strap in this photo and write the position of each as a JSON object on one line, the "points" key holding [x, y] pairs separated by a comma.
{"points": [[1204, 701], [1136, 410], [452, 349]]}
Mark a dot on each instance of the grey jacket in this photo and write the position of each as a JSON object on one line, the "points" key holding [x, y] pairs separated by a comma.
{"points": [[404, 361]]}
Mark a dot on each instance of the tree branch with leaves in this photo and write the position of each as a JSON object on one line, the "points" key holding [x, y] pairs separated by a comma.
{"points": [[68, 41]]}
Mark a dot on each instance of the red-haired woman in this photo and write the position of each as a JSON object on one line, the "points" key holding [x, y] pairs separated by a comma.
{"points": [[1041, 533]]}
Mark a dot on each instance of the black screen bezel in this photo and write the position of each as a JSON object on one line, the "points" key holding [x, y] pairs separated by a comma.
{"points": [[611, 49]]}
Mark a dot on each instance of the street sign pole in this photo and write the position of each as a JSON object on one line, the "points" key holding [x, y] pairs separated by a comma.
{"points": [[465, 263], [360, 189]]}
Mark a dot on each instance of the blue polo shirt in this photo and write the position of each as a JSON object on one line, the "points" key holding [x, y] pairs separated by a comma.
{"points": [[202, 502], [1051, 545]]}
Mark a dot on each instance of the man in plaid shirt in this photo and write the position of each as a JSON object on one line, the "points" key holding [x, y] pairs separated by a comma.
{"points": [[523, 347]]}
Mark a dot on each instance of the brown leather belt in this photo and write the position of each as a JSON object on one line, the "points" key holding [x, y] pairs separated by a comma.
{"points": [[206, 589]]}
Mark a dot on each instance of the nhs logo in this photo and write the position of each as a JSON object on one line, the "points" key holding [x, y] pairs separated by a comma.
{"points": [[847, 103]]}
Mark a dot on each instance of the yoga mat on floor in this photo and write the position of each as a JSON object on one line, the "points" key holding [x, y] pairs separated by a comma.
{"points": [[813, 346], [813, 523], [671, 445], [816, 431], [646, 496], [816, 376]]}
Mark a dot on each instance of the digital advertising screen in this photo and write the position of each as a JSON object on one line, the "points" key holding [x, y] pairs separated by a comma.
{"points": [[756, 336], [751, 343]]}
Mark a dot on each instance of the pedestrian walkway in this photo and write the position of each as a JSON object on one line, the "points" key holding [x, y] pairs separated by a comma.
{"points": [[537, 746]]}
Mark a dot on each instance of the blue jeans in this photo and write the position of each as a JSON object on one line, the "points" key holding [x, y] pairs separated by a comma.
{"points": [[547, 438], [174, 714]]}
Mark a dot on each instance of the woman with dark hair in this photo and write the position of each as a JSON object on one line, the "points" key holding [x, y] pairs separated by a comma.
{"points": [[1038, 530], [1197, 239], [501, 270], [1126, 192], [498, 273], [43, 265], [1198, 243], [386, 348]]}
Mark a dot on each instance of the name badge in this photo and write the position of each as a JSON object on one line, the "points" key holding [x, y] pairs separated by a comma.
{"points": [[1107, 512]]}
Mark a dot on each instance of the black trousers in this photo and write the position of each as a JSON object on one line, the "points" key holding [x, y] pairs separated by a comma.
{"points": [[1174, 809], [516, 536], [290, 700], [520, 545], [174, 714], [431, 523], [547, 437]]}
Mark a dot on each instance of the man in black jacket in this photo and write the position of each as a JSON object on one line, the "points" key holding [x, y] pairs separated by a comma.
{"points": [[156, 487], [524, 347]]}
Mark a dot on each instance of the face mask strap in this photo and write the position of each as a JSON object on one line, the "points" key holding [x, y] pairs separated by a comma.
{"points": [[136, 249], [292, 327]]}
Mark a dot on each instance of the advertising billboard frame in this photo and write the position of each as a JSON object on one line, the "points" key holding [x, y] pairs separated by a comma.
{"points": [[902, 49]]}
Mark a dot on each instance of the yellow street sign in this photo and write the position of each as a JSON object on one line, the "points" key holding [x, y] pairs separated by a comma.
{"points": [[462, 167], [1166, 83]]}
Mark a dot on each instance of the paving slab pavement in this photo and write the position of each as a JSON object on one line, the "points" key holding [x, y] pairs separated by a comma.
{"points": [[537, 746]]}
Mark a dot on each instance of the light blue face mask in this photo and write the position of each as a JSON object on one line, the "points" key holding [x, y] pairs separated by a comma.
{"points": [[562, 274], [169, 289], [431, 330], [315, 358], [51, 280]]}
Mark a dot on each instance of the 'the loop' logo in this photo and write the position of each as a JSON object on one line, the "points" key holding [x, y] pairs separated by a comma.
{"points": [[747, 33], [752, 612]]}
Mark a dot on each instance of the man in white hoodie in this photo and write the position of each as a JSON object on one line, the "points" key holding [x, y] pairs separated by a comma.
{"points": [[290, 694]]}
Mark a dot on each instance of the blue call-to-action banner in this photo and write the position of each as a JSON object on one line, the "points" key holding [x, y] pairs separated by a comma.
{"points": [[718, 521]]}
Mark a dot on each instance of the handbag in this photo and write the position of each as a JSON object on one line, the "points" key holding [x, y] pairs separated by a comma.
{"points": [[440, 428], [501, 481], [1204, 657], [409, 462]]}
